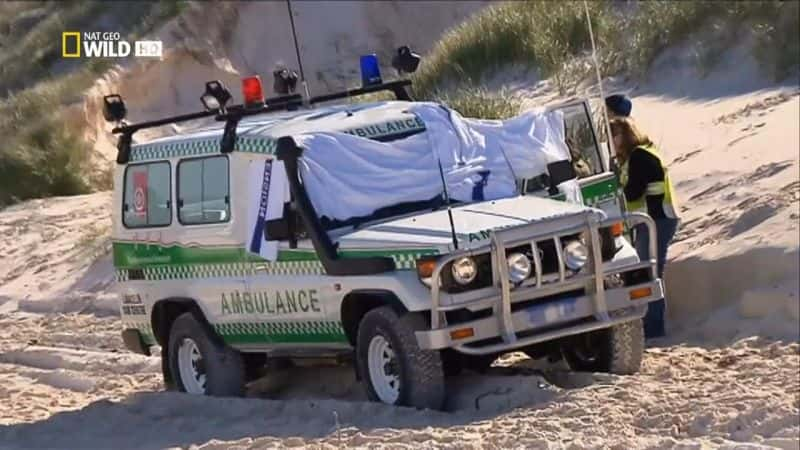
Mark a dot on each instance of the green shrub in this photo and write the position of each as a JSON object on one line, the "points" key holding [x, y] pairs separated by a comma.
{"points": [[478, 102], [549, 36], [43, 153]]}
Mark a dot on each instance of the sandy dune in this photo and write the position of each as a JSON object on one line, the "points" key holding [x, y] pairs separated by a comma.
{"points": [[727, 377]]}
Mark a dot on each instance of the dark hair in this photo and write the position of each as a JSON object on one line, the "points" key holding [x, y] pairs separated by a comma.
{"points": [[632, 137]]}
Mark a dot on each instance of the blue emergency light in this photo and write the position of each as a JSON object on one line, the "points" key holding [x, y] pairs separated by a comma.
{"points": [[370, 70]]}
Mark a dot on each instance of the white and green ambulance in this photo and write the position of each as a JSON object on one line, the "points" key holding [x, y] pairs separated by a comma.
{"points": [[396, 235]]}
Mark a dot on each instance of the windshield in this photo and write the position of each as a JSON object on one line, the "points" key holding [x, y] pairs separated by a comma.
{"points": [[352, 180]]}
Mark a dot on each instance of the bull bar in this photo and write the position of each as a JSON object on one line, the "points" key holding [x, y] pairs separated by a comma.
{"points": [[599, 308]]}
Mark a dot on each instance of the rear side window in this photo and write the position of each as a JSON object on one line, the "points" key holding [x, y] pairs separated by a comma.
{"points": [[146, 197], [581, 141], [203, 191]]}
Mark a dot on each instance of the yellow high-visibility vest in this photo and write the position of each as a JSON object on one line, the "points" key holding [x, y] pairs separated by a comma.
{"points": [[653, 188]]}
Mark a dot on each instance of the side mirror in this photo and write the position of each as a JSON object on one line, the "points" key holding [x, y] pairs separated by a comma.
{"points": [[277, 230], [284, 228], [561, 171]]}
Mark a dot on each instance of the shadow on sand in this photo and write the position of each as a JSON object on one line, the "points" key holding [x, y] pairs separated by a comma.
{"points": [[165, 419]]}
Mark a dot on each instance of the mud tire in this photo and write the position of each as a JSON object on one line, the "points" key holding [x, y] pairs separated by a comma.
{"points": [[224, 366], [420, 372], [616, 350]]}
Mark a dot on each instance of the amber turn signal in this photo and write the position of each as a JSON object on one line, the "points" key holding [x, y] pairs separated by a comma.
{"points": [[636, 294], [617, 229], [425, 267], [462, 333]]}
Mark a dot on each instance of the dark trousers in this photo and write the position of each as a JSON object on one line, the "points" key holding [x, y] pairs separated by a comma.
{"points": [[665, 231]]}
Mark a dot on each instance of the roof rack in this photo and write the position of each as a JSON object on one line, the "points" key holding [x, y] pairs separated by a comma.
{"points": [[114, 110]]}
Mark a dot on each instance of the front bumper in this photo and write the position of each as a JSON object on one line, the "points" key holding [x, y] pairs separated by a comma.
{"points": [[536, 310], [543, 322]]}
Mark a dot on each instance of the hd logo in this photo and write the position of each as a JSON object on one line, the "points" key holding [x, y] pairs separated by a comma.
{"points": [[106, 44]]}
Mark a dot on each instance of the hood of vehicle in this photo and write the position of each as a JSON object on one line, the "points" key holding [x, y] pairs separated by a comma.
{"points": [[472, 223]]}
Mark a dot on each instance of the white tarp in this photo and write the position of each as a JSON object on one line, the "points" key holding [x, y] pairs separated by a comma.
{"points": [[348, 176]]}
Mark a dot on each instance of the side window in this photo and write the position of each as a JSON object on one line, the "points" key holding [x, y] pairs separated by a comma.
{"points": [[581, 141], [146, 196], [203, 191]]}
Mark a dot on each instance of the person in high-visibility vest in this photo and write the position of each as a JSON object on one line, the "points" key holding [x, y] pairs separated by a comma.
{"points": [[645, 181]]}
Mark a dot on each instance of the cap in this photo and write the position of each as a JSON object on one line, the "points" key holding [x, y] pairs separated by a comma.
{"points": [[619, 104]]}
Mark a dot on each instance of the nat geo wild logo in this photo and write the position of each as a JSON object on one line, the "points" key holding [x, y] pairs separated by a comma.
{"points": [[105, 44]]}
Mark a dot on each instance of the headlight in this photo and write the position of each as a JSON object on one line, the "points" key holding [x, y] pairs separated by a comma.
{"points": [[575, 255], [464, 270], [519, 267]]}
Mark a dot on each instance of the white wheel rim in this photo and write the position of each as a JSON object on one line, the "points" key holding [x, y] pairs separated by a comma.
{"points": [[384, 372], [191, 367]]}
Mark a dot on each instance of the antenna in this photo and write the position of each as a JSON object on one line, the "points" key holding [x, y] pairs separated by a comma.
{"points": [[297, 51], [599, 80]]}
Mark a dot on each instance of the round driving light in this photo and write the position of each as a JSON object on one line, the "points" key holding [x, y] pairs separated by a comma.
{"points": [[464, 270], [519, 267], [575, 255]]}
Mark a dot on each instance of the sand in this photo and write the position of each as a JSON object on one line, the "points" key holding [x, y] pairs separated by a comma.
{"points": [[728, 376]]}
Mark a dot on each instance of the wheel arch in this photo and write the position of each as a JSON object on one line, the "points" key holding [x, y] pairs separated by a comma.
{"points": [[359, 302], [166, 310]]}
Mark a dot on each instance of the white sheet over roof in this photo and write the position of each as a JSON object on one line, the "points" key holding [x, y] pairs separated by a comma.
{"points": [[347, 176]]}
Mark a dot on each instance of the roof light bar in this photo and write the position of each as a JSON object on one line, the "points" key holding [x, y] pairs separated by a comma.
{"points": [[216, 96], [370, 70], [252, 92]]}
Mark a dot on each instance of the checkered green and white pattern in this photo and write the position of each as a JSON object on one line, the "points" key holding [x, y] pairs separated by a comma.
{"points": [[197, 147], [281, 332], [407, 261], [173, 149], [403, 261], [256, 145]]}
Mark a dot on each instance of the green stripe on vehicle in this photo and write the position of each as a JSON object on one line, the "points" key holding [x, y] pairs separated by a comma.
{"points": [[159, 262], [281, 332]]}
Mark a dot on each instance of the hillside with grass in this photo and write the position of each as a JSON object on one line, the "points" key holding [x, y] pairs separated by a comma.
{"points": [[552, 40], [44, 152], [49, 105]]}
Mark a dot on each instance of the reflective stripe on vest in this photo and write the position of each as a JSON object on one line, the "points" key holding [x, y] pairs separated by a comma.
{"points": [[654, 188]]}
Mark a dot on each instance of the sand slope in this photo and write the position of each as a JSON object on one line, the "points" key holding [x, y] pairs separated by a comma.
{"points": [[727, 377]]}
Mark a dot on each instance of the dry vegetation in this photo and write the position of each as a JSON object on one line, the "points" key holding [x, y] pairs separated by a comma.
{"points": [[43, 153], [552, 36]]}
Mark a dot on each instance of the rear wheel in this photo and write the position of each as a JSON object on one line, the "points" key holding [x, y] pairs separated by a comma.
{"points": [[200, 364], [395, 370], [615, 350]]}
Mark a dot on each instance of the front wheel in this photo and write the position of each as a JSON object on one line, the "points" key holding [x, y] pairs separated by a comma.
{"points": [[616, 350], [200, 364], [395, 369]]}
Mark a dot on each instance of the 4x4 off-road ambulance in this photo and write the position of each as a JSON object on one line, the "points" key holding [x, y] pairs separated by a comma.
{"points": [[397, 233]]}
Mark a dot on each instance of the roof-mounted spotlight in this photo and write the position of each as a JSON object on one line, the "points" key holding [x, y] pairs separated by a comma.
{"points": [[285, 81], [114, 108], [405, 61], [216, 96]]}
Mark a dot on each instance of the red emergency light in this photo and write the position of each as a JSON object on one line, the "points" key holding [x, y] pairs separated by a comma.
{"points": [[252, 92]]}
